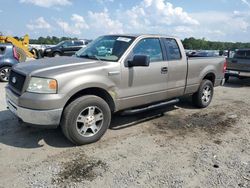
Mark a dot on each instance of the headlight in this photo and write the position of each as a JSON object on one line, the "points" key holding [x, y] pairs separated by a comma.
{"points": [[48, 50], [42, 85]]}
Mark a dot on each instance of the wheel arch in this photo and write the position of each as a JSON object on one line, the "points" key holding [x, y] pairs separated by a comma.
{"points": [[57, 51], [210, 76], [5, 65], [100, 92]]}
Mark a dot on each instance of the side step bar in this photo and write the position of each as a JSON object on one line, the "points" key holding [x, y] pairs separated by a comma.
{"points": [[151, 107]]}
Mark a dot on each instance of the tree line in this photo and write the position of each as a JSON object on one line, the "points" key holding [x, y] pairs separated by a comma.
{"points": [[202, 44], [189, 43]]}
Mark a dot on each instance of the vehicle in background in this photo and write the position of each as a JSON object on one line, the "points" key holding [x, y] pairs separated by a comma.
{"points": [[21, 46], [40, 46], [203, 54], [129, 73], [8, 58], [65, 48], [238, 64]]}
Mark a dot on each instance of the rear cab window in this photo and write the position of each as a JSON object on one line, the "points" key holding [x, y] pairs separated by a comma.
{"points": [[79, 43], [242, 54], [172, 49], [68, 44], [150, 47]]}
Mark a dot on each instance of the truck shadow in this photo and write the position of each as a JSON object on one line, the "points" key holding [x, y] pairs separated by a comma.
{"points": [[20, 136], [120, 121], [237, 83], [16, 135]]}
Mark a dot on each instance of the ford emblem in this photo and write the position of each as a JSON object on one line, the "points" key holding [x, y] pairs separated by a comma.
{"points": [[13, 80]]}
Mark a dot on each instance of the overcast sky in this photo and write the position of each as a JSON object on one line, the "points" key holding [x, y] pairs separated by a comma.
{"points": [[221, 20]]}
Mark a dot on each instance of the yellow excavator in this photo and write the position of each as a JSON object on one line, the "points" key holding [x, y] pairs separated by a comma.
{"points": [[22, 47]]}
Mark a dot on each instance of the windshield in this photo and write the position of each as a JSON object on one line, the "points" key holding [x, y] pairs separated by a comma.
{"points": [[106, 48], [60, 43]]}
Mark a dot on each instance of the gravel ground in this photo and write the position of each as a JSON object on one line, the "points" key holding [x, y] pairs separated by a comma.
{"points": [[172, 147]]}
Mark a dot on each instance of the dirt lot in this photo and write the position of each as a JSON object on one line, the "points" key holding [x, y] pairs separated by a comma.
{"points": [[185, 147]]}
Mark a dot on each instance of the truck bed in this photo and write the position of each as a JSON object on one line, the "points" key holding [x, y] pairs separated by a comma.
{"points": [[197, 67]]}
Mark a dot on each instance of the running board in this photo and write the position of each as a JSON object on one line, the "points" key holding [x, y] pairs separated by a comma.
{"points": [[140, 110]]}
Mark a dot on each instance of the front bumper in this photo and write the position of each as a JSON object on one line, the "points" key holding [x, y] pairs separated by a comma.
{"points": [[35, 117]]}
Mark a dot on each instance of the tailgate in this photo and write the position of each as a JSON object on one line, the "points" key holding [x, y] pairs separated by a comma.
{"points": [[238, 64]]}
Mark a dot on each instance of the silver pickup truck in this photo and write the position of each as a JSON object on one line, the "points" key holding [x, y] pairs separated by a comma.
{"points": [[113, 73]]}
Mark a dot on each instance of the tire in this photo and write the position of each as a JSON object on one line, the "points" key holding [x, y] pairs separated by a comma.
{"points": [[56, 54], [79, 121], [36, 53], [203, 97], [21, 54], [4, 73], [226, 78], [41, 53]]}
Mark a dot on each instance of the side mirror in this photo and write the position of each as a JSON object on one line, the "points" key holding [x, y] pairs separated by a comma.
{"points": [[139, 61]]}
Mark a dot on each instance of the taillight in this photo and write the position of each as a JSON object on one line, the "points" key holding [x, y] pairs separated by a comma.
{"points": [[225, 66], [15, 54]]}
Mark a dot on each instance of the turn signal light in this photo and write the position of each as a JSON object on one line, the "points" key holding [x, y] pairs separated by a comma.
{"points": [[53, 84]]}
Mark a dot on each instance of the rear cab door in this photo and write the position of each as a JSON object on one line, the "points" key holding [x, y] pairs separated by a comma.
{"points": [[177, 67], [69, 48]]}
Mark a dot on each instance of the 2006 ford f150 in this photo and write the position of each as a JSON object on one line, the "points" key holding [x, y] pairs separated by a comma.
{"points": [[114, 73]]}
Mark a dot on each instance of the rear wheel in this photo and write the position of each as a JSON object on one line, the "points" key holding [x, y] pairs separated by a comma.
{"points": [[56, 54], [86, 119], [203, 97], [4, 73]]}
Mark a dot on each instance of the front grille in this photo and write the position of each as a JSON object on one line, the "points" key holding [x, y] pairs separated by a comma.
{"points": [[16, 80]]}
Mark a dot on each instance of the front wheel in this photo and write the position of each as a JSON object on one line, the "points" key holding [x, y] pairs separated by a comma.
{"points": [[4, 74], [86, 119], [203, 97]]}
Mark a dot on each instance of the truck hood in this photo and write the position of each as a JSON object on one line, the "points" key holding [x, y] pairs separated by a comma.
{"points": [[56, 64]]}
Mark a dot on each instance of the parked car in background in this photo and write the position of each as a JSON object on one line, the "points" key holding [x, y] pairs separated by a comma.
{"points": [[114, 73], [8, 58], [238, 64], [65, 48], [203, 54]]}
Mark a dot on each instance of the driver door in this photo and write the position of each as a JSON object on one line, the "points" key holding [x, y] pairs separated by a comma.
{"points": [[142, 85]]}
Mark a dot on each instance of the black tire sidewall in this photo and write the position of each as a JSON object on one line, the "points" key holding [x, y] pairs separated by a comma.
{"points": [[203, 85], [80, 105]]}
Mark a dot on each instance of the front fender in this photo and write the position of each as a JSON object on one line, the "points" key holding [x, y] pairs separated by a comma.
{"points": [[78, 84]]}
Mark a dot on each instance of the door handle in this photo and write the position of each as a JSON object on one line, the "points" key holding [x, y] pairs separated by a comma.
{"points": [[164, 70]]}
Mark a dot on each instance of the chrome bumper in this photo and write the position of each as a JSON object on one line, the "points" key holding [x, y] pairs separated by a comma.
{"points": [[35, 117], [237, 73]]}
